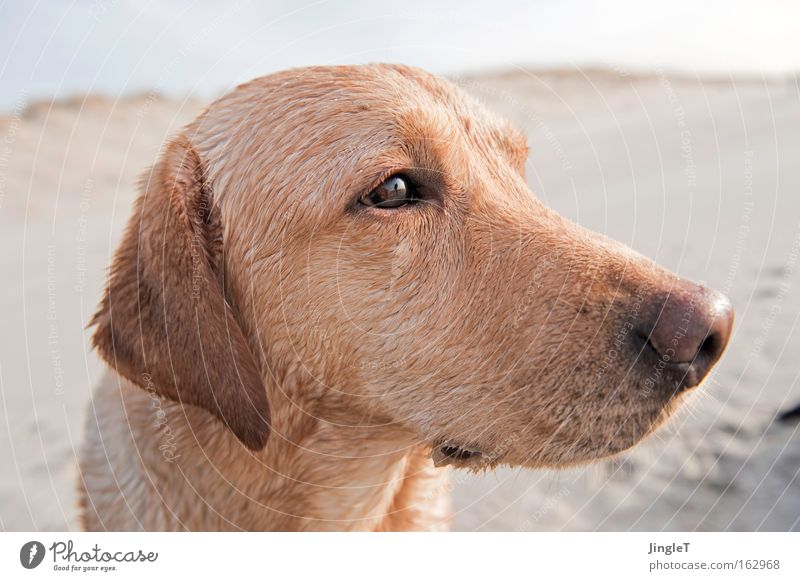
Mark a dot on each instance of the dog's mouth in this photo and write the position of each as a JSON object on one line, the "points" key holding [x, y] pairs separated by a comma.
{"points": [[449, 453]]}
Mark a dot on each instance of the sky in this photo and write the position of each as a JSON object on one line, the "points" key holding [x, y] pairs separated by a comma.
{"points": [[60, 48]]}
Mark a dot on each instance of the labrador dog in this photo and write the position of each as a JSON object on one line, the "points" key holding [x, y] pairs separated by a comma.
{"points": [[334, 285]]}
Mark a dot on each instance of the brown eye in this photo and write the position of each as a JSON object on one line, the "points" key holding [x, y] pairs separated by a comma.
{"points": [[394, 192]]}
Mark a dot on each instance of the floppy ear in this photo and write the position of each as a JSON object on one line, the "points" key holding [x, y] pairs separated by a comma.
{"points": [[163, 322]]}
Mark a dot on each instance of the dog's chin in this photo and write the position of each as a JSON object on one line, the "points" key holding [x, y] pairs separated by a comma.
{"points": [[564, 453], [583, 451], [578, 453]]}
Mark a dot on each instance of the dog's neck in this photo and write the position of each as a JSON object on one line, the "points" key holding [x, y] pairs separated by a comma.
{"points": [[313, 475], [367, 478]]}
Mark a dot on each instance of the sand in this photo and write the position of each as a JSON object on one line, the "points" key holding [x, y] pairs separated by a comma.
{"points": [[700, 175]]}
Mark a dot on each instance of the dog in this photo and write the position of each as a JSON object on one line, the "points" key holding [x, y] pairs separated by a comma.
{"points": [[335, 285]]}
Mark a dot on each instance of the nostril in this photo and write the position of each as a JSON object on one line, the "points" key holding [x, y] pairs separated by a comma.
{"points": [[711, 347], [719, 321]]}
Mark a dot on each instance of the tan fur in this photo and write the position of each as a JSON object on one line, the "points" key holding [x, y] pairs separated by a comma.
{"points": [[286, 359]]}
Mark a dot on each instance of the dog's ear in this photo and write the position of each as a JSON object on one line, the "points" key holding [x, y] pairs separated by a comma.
{"points": [[163, 322]]}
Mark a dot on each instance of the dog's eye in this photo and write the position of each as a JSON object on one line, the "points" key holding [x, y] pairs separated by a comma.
{"points": [[394, 192]]}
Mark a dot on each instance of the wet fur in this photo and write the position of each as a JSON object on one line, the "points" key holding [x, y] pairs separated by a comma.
{"points": [[285, 359]]}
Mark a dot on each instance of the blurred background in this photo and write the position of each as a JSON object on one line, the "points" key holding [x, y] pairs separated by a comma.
{"points": [[673, 127]]}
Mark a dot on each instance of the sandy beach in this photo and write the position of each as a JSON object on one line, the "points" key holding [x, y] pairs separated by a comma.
{"points": [[701, 175]]}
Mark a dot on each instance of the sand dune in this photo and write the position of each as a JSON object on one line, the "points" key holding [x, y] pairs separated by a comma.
{"points": [[701, 175]]}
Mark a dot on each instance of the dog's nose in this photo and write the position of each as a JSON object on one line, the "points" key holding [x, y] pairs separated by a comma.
{"points": [[688, 329]]}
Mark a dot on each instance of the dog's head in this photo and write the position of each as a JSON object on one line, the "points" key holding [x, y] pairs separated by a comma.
{"points": [[367, 232]]}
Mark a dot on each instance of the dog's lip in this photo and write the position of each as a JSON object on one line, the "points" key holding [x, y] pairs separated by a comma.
{"points": [[452, 453]]}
